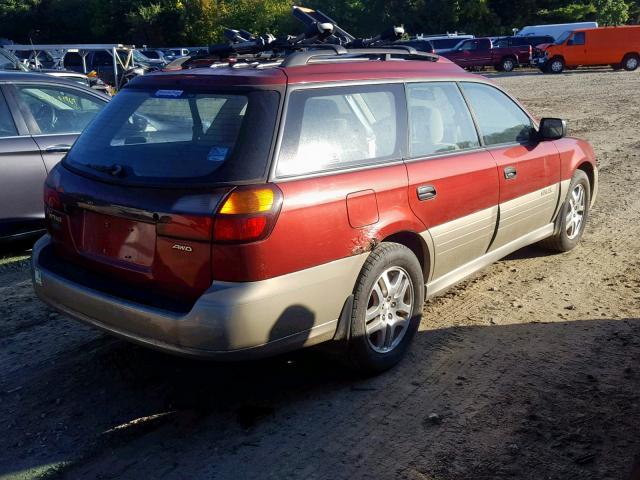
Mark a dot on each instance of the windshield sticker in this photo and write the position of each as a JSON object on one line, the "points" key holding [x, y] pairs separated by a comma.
{"points": [[218, 154], [169, 93]]}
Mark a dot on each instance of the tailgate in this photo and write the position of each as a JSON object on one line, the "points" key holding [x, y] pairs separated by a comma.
{"points": [[152, 238]]}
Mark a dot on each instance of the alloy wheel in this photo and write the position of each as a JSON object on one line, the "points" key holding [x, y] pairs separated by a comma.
{"points": [[575, 215], [389, 309]]}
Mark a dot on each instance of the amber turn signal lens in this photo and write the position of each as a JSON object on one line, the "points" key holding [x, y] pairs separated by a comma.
{"points": [[243, 202]]}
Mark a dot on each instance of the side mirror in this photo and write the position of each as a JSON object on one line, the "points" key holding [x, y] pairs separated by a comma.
{"points": [[552, 128]]}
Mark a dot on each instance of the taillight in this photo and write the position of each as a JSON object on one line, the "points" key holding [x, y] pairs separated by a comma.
{"points": [[52, 198], [248, 214]]}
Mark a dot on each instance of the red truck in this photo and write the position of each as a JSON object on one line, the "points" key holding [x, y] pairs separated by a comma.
{"points": [[480, 52]]}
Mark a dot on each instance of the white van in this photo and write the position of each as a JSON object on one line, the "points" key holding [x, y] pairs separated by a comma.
{"points": [[555, 30]]}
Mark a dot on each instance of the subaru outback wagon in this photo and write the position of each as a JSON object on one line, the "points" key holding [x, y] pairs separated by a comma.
{"points": [[251, 209]]}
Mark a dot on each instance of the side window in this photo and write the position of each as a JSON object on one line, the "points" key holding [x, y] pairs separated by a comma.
{"points": [[7, 127], [578, 39], [439, 120], [59, 109], [469, 45], [500, 120], [333, 128]]}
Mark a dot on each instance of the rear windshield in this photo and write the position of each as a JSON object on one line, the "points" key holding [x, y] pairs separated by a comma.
{"points": [[177, 136]]}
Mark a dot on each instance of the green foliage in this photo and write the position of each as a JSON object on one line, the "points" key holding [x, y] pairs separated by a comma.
{"points": [[612, 12], [573, 12], [199, 22]]}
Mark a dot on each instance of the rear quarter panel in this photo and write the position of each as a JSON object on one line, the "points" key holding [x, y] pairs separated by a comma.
{"points": [[314, 228]]}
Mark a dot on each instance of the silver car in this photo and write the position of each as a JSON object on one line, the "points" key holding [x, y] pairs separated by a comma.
{"points": [[40, 118]]}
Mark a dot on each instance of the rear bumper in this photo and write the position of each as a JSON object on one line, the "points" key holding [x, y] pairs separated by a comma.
{"points": [[229, 321]]}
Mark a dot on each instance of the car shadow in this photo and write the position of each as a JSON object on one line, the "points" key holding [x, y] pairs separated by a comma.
{"points": [[559, 399]]}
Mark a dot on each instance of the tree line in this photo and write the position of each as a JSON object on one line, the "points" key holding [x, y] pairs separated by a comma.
{"points": [[200, 22]]}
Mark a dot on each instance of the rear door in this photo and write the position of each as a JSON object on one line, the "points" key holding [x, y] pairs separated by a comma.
{"points": [[22, 172], [55, 115], [528, 170], [453, 184]]}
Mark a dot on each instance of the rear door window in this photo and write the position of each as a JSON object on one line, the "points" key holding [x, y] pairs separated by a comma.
{"points": [[439, 120], [336, 128], [500, 119], [165, 136], [7, 127], [58, 109]]}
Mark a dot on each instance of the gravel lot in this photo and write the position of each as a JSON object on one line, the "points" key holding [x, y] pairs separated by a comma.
{"points": [[531, 370]]}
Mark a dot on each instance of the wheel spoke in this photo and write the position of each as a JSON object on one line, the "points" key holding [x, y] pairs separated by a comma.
{"points": [[568, 219], [376, 326], [401, 290], [373, 313], [570, 227], [385, 284], [403, 309], [388, 336]]}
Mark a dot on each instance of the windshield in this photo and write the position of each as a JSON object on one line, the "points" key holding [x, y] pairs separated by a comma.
{"points": [[8, 61], [562, 38], [176, 136], [139, 57]]}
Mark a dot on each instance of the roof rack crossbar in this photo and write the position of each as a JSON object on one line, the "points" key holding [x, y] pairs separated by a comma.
{"points": [[400, 51]]}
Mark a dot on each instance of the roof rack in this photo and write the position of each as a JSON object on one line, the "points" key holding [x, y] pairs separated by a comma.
{"points": [[322, 38], [298, 59]]}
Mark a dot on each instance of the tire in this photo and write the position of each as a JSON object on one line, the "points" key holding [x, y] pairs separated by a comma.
{"points": [[556, 65], [378, 343], [630, 62], [507, 64], [566, 238]]}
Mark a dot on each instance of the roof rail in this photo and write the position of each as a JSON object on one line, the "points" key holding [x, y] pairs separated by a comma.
{"points": [[299, 59]]}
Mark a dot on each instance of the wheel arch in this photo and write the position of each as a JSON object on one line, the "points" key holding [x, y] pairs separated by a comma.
{"points": [[587, 168], [417, 244]]}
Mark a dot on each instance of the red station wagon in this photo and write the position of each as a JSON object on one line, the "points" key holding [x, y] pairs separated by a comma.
{"points": [[259, 207]]}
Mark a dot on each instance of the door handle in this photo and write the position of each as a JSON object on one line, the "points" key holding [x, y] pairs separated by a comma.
{"points": [[510, 173], [426, 192], [61, 148]]}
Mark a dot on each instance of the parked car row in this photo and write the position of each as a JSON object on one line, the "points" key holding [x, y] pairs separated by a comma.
{"points": [[581, 44], [615, 46]]}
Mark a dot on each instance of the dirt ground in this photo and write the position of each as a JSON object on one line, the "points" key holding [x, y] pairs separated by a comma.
{"points": [[531, 370]]}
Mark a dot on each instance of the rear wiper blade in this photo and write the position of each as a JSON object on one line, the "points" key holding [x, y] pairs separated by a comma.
{"points": [[115, 169]]}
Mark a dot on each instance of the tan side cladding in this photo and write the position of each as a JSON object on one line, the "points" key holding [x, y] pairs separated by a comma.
{"points": [[256, 313], [248, 319], [525, 214], [461, 240]]}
